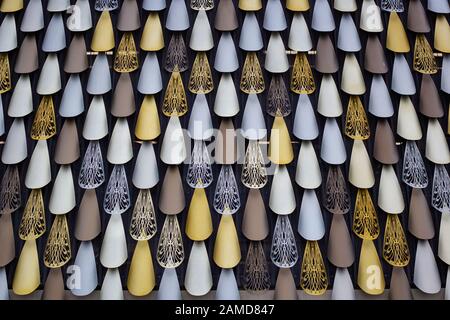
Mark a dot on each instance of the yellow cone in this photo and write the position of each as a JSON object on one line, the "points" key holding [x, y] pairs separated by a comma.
{"points": [[141, 276], [442, 34], [27, 276], [370, 272], [11, 5], [199, 224], [103, 38], [152, 35], [147, 125], [280, 146], [227, 252], [250, 5], [397, 40], [297, 5]]}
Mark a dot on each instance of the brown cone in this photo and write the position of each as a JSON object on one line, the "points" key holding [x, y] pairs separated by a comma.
{"points": [[417, 18], [171, 197], [420, 222], [285, 288], [374, 57], [326, 60], [76, 57], [340, 248], [54, 286], [430, 102], [226, 19], [7, 244], [27, 58], [226, 144], [385, 150], [67, 147], [88, 225], [123, 103], [400, 289], [254, 222], [128, 19]]}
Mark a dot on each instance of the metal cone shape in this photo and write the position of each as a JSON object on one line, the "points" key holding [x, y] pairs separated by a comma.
{"points": [[227, 288], [385, 150], [250, 38], [226, 103], [322, 19], [169, 287], [352, 79], [305, 124], [85, 260], [8, 34], [417, 18], [21, 103], [141, 276], [81, 18], [154, 5], [55, 36], [374, 56], [27, 57], [171, 199], [426, 273], [332, 150], [15, 148], [33, 17], [199, 224], [201, 36], [88, 224], [177, 16], [276, 58], [396, 39], [129, 19], [226, 56], [308, 174], [340, 248], [58, 5], [27, 276], [112, 286], [150, 81], [299, 36], [380, 103], [114, 246], [342, 285], [123, 103], [439, 6], [99, 81], [408, 125], [329, 103], [390, 197], [145, 174], [173, 147], [227, 252], [103, 37], [437, 150], [360, 172], [198, 278], [152, 36], [62, 198], [326, 59], [274, 19], [402, 79], [399, 288], [226, 19], [76, 56], [282, 197], [200, 123], [310, 222], [348, 39], [49, 80], [345, 5], [67, 146], [285, 288], [255, 226], [38, 173], [370, 17], [430, 101], [147, 123], [96, 122], [72, 101], [120, 148], [280, 147], [253, 126]]}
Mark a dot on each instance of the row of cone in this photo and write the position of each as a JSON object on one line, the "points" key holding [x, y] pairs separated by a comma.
{"points": [[282, 198]]}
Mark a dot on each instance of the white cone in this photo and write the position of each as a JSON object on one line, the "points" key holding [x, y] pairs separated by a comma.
{"points": [[329, 102], [402, 79], [114, 246], [276, 58], [33, 17], [282, 196], [173, 147], [426, 273], [55, 36], [308, 174], [342, 286], [390, 196], [120, 148], [253, 126], [62, 198], [49, 80], [299, 36], [177, 16], [226, 103], [227, 288], [96, 122], [87, 268], [380, 103], [274, 19], [99, 81], [310, 221], [145, 174], [251, 38], [198, 279], [305, 123], [21, 103], [322, 19], [38, 173], [200, 123], [360, 171], [408, 125], [436, 147], [370, 17], [15, 147], [332, 150], [8, 34], [112, 286], [72, 101], [169, 288], [201, 35], [150, 81], [226, 56]]}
